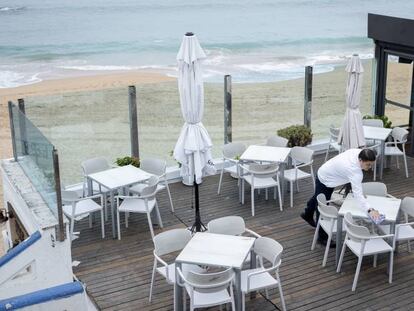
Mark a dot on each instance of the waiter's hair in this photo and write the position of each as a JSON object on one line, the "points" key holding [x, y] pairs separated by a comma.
{"points": [[367, 155]]}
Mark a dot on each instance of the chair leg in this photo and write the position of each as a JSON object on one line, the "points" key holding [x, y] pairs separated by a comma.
{"points": [[252, 199], [315, 236], [126, 219], [157, 210], [341, 258], [357, 273], [406, 167], [221, 178], [327, 153], [106, 207], [274, 193], [233, 305], [242, 190], [375, 170], [103, 223], [152, 279], [72, 226], [280, 196], [150, 225], [282, 299], [243, 302], [398, 162], [325, 256], [90, 219], [169, 195], [375, 261], [291, 193], [297, 185], [391, 263], [119, 224]]}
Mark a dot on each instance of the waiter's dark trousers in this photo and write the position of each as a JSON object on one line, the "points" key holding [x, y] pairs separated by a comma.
{"points": [[313, 202]]}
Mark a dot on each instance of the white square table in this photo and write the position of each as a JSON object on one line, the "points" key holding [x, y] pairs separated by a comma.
{"points": [[219, 250], [390, 207], [117, 178], [268, 154], [381, 134]]}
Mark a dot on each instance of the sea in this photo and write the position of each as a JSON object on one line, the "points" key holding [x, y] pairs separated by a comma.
{"points": [[252, 40]]}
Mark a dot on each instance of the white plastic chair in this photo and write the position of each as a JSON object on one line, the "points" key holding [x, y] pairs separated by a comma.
{"points": [[328, 216], [143, 204], [277, 141], [230, 225], [158, 168], [399, 136], [91, 166], [261, 176], [76, 208], [208, 289], [165, 243], [261, 278], [375, 188], [377, 148], [403, 231], [359, 240], [301, 157], [333, 141], [231, 152]]}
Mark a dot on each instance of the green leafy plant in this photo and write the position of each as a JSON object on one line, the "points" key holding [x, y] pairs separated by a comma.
{"points": [[237, 157], [127, 161], [298, 135], [387, 123]]}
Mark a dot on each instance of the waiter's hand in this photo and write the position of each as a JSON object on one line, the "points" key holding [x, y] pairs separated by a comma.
{"points": [[374, 214]]}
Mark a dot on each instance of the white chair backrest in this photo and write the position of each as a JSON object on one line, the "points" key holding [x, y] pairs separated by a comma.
{"points": [[94, 165], [263, 170], [374, 188], [230, 225], [301, 154], [355, 232], [333, 133], [268, 249], [407, 206], [373, 122], [399, 134], [324, 209], [153, 166], [171, 241], [69, 196], [277, 141], [210, 282], [232, 150], [150, 188]]}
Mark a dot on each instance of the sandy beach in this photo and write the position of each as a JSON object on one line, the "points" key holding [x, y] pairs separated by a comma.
{"points": [[88, 116]]}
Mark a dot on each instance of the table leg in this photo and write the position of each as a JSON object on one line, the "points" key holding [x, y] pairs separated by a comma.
{"points": [[253, 265], [338, 238], [238, 293], [178, 291], [382, 157], [113, 214]]}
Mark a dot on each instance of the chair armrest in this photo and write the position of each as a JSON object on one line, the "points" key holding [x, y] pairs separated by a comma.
{"points": [[96, 196], [163, 263], [394, 143], [127, 197], [376, 237], [391, 196], [268, 270], [180, 276], [253, 233]]}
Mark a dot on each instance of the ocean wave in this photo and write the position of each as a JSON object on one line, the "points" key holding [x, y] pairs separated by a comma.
{"points": [[9, 79], [12, 9]]}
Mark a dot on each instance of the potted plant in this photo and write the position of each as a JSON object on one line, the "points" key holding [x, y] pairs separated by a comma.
{"points": [[127, 160], [387, 123], [298, 135]]}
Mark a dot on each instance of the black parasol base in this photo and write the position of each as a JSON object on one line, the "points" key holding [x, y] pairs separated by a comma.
{"points": [[198, 226]]}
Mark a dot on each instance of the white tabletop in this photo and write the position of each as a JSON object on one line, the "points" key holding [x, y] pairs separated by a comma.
{"points": [[216, 250], [376, 133], [385, 205], [265, 154], [120, 177]]}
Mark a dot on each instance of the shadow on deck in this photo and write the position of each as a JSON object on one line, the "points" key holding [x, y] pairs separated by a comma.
{"points": [[118, 273]]}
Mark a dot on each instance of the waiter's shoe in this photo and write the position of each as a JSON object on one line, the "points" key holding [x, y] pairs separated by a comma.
{"points": [[323, 242], [309, 220]]}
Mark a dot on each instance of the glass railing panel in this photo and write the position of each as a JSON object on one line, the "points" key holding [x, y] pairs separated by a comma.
{"points": [[35, 156], [260, 109], [83, 125], [329, 98]]}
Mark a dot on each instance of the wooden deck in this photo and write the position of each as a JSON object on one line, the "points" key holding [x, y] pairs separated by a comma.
{"points": [[117, 273]]}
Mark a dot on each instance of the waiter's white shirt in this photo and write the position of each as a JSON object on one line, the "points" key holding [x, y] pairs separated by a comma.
{"points": [[343, 169]]}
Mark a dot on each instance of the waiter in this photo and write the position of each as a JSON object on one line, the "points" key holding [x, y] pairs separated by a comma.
{"points": [[345, 168]]}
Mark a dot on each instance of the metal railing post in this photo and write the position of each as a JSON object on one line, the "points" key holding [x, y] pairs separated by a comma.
{"points": [[22, 126], [228, 135], [133, 121], [307, 119], [61, 226], [12, 131]]}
